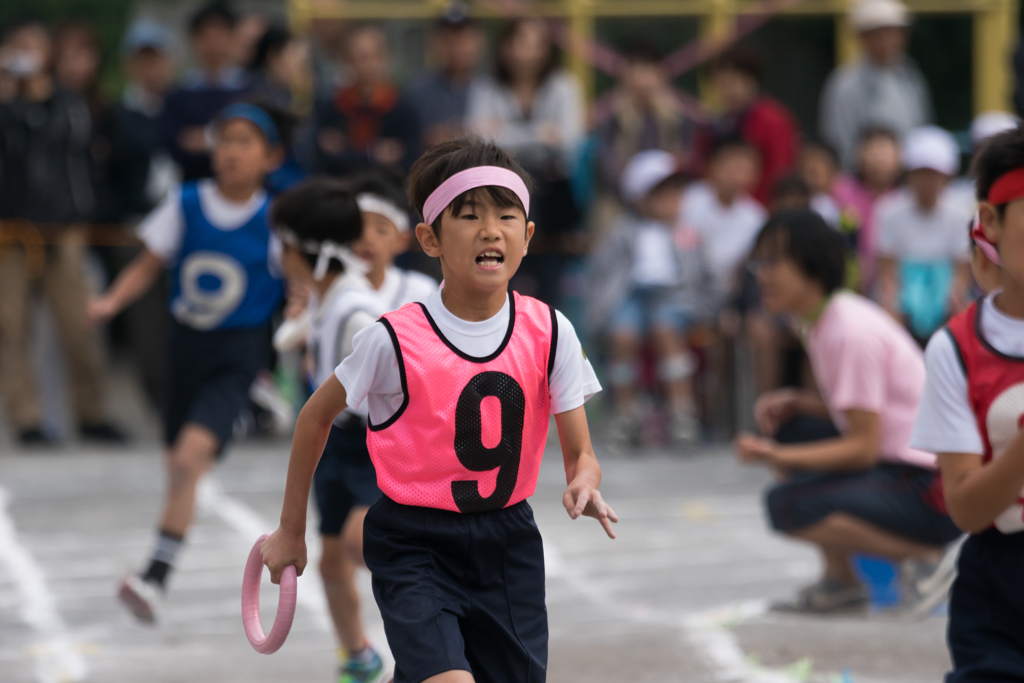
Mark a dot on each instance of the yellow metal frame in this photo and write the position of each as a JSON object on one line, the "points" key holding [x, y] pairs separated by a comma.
{"points": [[995, 26]]}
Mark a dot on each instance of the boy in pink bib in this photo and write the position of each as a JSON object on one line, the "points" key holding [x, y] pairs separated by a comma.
{"points": [[458, 391]]}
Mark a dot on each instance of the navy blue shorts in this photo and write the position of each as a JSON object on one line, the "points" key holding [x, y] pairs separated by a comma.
{"points": [[459, 591], [986, 610], [901, 499], [208, 377], [345, 477]]}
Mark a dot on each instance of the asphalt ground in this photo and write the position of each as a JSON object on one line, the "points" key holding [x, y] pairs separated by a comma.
{"points": [[681, 595]]}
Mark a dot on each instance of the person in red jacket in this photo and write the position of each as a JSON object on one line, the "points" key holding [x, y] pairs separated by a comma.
{"points": [[748, 113]]}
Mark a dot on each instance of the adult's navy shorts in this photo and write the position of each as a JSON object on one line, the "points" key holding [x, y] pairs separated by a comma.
{"points": [[459, 591], [986, 610], [902, 499], [208, 375], [345, 477]]}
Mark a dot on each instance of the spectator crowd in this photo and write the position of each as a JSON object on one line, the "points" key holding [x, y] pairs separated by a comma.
{"points": [[661, 197]]}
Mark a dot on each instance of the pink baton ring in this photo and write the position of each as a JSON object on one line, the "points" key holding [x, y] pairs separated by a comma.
{"points": [[272, 642]]}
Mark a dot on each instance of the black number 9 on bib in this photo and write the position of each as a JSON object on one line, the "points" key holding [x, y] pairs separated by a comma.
{"points": [[469, 444]]}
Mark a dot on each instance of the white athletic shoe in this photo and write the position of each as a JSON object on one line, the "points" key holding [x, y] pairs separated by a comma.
{"points": [[141, 598], [926, 584]]}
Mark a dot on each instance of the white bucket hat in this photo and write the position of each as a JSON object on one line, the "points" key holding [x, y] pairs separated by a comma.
{"points": [[867, 15], [931, 147], [645, 171]]}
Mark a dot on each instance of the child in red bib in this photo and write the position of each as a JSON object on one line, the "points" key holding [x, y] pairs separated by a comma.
{"points": [[458, 391], [971, 414]]}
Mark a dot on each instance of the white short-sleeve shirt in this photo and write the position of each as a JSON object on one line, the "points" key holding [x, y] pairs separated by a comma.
{"points": [[945, 421], [908, 233], [370, 372]]}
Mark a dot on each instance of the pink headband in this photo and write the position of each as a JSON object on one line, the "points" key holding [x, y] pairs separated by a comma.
{"points": [[471, 178]]}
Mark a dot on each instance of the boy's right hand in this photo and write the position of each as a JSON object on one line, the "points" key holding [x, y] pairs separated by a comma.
{"points": [[281, 550]]}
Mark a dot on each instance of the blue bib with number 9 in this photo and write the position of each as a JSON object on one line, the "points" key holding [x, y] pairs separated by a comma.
{"points": [[222, 279]]}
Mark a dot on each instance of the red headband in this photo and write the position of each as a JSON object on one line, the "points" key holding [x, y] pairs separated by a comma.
{"points": [[1008, 187]]}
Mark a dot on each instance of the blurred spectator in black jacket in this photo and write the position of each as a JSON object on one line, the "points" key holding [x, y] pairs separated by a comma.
{"points": [[366, 123], [216, 82], [46, 192]]}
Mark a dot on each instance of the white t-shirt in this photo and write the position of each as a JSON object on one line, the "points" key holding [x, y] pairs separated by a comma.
{"points": [[404, 286], [654, 258], [370, 373], [163, 230], [907, 233], [945, 422], [728, 232]]}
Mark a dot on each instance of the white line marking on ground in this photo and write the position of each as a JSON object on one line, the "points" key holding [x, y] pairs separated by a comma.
{"points": [[57, 659], [250, 525], [708, 632]]}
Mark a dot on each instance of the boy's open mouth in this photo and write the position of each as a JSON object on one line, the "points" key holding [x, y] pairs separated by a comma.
{"points": [[490, 259]]}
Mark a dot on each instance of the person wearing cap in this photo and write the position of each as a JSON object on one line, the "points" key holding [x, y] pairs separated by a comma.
{"points": [[649, 283], [142, 172], [441, 94], [924, 273], [215, 82], [214, 238], [884, 88]]}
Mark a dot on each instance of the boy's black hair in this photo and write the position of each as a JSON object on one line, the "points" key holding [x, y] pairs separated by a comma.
{"points": [[319, 210], [803, 237], [731, 143], [998, 155], [384, 183], [441, 162], [271, 42], [217, 10], [741, 60], [792, 186]]}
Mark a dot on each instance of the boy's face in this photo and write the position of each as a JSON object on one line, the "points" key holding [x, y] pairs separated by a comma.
{"points": [[215, 43], [733, 171], [818, 169], [151, 69], [879, 161], [1007, 234], [927, 186], [663, 203], [735, 89], [241, 156], [380, 242], [643, 81], [481, 247]]}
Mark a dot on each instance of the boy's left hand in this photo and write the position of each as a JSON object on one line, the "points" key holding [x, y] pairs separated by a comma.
{"points": [[581, 498]]}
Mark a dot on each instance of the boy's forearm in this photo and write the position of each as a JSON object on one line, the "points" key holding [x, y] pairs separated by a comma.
{"points": [[135, 280], [307, 446], [586, 468], [810, 403], [978, 497]]}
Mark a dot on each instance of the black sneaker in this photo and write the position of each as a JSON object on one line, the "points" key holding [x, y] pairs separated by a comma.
{"points": [[33, 437], [103, 432]]}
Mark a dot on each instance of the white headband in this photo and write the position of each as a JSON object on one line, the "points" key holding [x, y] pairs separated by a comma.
{"points": [[324, 252], [371, 203]]}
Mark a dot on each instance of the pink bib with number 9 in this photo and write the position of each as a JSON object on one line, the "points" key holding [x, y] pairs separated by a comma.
{"points": [[471, 432]]}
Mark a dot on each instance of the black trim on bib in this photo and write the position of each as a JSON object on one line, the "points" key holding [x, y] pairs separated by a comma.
{"points": [[465, 356], [554, 342], [401, 373], [956, 347]]}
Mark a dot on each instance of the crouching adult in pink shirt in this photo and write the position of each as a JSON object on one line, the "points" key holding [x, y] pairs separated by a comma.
{"points": [[848, 480]]}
